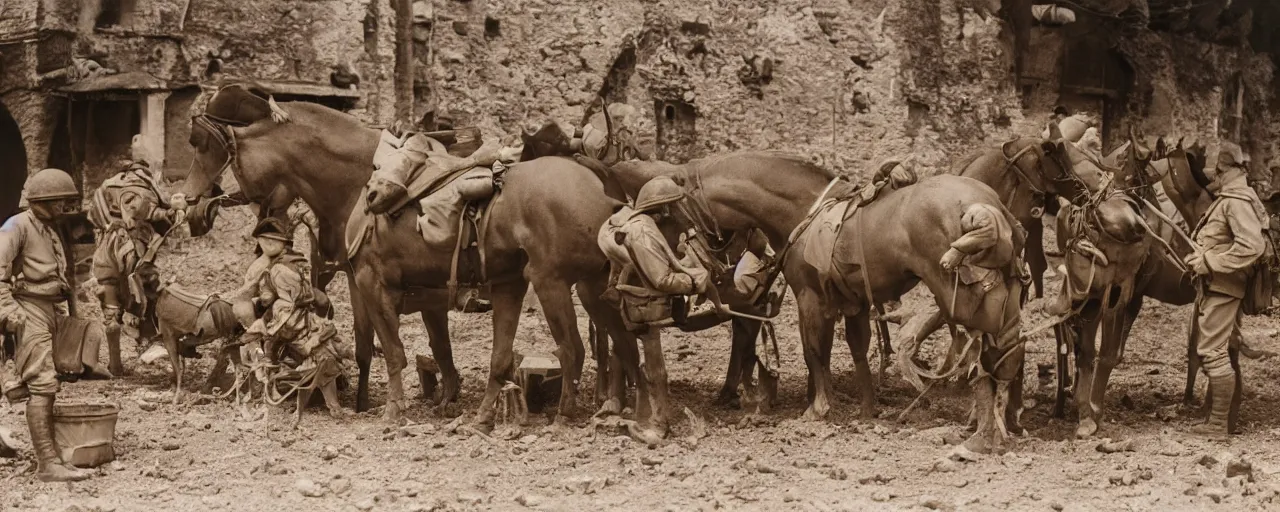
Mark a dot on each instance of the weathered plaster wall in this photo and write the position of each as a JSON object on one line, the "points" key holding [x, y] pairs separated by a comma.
{"points": [[790, 75]]}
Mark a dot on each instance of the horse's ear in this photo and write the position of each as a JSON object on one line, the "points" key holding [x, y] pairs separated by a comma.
{"points": [[1161, 148], [1051, 146], [1064, 207]]}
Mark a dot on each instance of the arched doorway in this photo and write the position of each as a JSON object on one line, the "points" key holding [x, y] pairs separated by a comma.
{"points": [[13, 164]]}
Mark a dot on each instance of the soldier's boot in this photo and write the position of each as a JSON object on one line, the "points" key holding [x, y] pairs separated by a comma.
{"points": [[113, 329], [1222, 391], [49, 465]]}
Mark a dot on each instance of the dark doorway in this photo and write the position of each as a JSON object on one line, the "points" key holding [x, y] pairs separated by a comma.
{"points": [[677, 130], [13, 164]]}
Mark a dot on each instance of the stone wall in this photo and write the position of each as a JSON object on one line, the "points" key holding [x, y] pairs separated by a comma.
{"points": [[189, 43], [846, 83]]}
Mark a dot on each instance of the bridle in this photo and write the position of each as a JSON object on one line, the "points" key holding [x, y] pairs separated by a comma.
{"points": [[1066, 174], [225, 136]]}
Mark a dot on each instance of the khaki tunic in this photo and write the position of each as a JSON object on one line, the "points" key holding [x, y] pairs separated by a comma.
{"points": [[1230, 234], [644, 250], [32, 280]]}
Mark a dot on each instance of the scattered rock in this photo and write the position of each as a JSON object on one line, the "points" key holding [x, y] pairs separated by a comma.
{"points": [[308, 488], [470, 498], [837, 474], [962, 454], [651, 460], [1240, 467], [1109, 446], [1172, 449], [1216, 494], [937, 504], [529, 500], [328, 453], [1056, 506], [170, 446], [945, 466], [880, 496], [340, 486], [365, 505]]}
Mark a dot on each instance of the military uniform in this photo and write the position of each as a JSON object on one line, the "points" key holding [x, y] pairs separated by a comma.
{"points": [[985, 248], [33, 282], [126, 210], [1229, 240], [649, 273], [289, 325]]}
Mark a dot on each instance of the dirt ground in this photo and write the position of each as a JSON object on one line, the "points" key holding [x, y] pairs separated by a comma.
{"points": [[208, 454]]}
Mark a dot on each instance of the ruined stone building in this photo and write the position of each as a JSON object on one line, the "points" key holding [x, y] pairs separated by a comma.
{"points": [[82, 77], [847, 83]]}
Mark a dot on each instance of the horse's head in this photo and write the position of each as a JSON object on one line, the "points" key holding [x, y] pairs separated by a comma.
{"points": [[212, 157], [1105, 243], [1073, 172], [397, 159]]}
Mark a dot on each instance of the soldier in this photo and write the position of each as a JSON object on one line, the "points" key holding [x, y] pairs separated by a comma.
{"points": [[1229, 241], [127, 211], [651, 273], [278, 282], [33, 270]]}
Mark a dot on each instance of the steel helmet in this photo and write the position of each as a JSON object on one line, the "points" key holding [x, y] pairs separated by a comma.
{"points": [[50, 184], [272, 228], [657, 192], [1231, 156]]}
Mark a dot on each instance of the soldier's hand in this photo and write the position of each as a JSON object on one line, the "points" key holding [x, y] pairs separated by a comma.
{"points": [[178, 201], [14, 317], [1196, 263], [951, 259]]}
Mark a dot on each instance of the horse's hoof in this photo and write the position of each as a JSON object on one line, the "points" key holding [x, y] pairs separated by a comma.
{"points": [[1087, 428], [814, 414], [978, 444], [391, 412], [611, 407], [116, 370], [647, 435]]}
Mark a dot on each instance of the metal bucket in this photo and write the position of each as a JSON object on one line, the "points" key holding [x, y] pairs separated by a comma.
{"points": [[84, 432]]}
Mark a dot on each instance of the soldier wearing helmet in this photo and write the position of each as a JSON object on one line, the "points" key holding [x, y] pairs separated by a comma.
{"points": [[33, 283], [1229, 241], [649, 283], [278, 284], [128, 213]]}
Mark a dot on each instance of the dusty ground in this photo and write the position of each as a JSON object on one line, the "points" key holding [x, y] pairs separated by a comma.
{"points": [[209, 455]]}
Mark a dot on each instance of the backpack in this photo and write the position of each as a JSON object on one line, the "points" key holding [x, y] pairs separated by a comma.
{"points": [[1260, 289]]}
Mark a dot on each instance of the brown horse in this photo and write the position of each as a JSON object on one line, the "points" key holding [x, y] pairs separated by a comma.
{"points": [[1028, 173], [325, 157], [779, 194], [1115, 258], [542, 228]]}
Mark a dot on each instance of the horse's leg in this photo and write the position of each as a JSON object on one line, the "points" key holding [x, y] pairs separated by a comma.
{"points": [[742, 359], [1193, 360], [1090, 316], [557, 305], [1035, 255], [625, 361], [363, 338], [1115, 330], [816, 333], [508, 301], [437, 321], [1062, 337], [175, 359], [857, 333], [384, 303]]}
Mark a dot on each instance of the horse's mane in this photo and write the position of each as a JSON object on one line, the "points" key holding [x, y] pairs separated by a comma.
{"points": [[793, 161]]}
